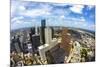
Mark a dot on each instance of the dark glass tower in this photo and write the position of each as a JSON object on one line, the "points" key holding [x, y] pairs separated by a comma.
{"points": [[32, 30], [43, 25], [52, 32], [35, 41]]}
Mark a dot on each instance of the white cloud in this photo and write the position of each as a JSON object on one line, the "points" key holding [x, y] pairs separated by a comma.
{"points": [[80, 19], [21, 8], [77, 8], [43, 9], [35, 12], [55, 17], [17, 18], [75, 22], [19, 21], [90, 7], [60, 4], [13, 10], [16, 7], [62, 16]]}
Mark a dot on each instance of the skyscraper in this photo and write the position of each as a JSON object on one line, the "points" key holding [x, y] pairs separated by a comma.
{"points": [[16, 44], [35, 41], [48, 35], [42, 32], [52, 29], [65, 42], [32, 30]]}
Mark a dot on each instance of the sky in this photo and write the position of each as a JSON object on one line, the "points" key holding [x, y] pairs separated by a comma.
{"points": [[29, 14]]}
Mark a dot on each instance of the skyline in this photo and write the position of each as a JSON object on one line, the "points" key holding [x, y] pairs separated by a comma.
{"points": [[28, 14]]}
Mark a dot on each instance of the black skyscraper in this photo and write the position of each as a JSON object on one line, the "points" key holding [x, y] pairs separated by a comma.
{"points": [[43, 25], [52, 32], [33, 30], [35, 41]]}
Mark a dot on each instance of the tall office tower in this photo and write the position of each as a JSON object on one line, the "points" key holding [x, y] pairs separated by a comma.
{"points": [[12, 44], [30, 36], [42, 32], [52, 32], [65, 42], [32, 30], [35, 41], [16, 45], [48, 35], [21, 41], [36, 30]]}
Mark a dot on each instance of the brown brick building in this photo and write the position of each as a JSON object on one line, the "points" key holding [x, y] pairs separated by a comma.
{"points": [[66, 39]]}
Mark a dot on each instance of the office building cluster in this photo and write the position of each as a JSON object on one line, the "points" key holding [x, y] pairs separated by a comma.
{"points": [[50, 45], [31, 44]]}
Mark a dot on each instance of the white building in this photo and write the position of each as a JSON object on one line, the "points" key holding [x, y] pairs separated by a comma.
{"points": [[50, 43], [48, 35]]}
